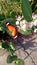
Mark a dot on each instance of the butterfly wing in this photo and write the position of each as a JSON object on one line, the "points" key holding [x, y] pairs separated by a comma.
{"points": [[12, 29]]}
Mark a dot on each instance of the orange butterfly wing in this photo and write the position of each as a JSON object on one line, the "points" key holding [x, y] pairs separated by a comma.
{"points": [[12, 29]]}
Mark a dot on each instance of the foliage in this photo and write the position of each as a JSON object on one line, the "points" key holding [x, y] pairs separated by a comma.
{"points": [[33, 4], [11, 57], [3, 25], [26, 9], [27, 32], [5, 45], [10, 9], [19, 62], [2, 17]]}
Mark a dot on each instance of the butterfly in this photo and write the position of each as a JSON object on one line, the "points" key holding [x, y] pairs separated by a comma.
{"points": [[12, 29]]}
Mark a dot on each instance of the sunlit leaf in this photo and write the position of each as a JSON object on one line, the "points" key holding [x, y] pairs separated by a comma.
{"points": [[19, 62], [0, 46], [12, 47], [27, 32]]}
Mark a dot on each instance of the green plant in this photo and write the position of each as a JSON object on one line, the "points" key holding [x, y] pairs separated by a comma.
{"points": [[26, 9], [10, 9], [10, 47]]}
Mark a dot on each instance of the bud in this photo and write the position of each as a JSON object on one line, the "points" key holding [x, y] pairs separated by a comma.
{"points": [[31, 24], [34, 16], [18, 18], [35, 31], [17, 22], [23, 27], [35, 22]]}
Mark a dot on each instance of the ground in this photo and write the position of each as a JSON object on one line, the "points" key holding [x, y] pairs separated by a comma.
{"points": [[26, 50]]}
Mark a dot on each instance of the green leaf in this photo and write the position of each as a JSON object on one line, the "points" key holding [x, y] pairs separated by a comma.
{"points": [[8, 1], [19, 62], [0, 28], [2, 17], [13, 14], [12, 46], [27, 32], [26, 10], [5, 45], [11, 58], [0, 47], [14, 57]]}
